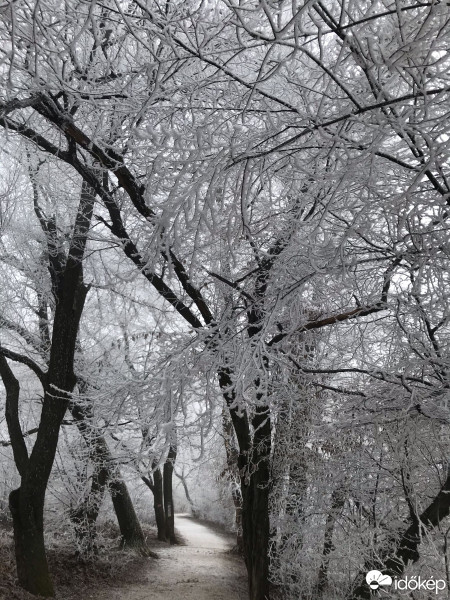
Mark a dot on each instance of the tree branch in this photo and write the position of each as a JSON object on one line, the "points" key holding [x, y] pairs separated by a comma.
{"points": [[25, 360], [12, 388], [360, 311]]}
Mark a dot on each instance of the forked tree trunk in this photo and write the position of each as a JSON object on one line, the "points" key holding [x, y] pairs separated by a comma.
{"points": [[27, 502], [31, 561], [158, 504], [154, 481], [155, 484], [168, 494]]}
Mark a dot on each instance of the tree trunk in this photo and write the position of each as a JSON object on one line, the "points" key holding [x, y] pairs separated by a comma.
{"points": [[31, 560], [100, 455], [255, 510], [130, 528], [254, 469], [155, 484], [232, 471], [168, 494], [182, 478], [84, 519], [84, 516], [337, 503], [158, 505], [255, 526], [26, 510], [27, 502]]}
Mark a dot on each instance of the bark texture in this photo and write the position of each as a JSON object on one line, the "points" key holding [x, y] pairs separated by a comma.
{"points": [[130, 528], [27, 502], [155, 483], [158, 504], [168, 495], [254, 469]]}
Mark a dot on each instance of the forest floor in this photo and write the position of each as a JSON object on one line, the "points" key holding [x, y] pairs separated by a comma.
{"points": [[201, 567]]}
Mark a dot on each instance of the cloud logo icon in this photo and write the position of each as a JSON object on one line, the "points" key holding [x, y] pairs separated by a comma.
{"points": [[376, 578]]}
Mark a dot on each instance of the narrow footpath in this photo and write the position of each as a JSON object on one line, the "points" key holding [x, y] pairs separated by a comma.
{"points": [[201, 569]]}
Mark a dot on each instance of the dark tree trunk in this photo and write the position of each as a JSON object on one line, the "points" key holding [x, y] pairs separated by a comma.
{"points": [[255, 526], [254, 469], [255, 508], [31, 560], [130, 528], [168, 494], [158, 505], [155, 484], [27, 502]]}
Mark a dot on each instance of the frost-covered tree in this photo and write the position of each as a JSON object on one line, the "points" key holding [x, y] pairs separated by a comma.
{"points": [[273, 170]]}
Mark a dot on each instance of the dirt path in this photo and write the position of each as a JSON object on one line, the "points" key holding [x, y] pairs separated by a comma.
{"points": [[203, 569]]}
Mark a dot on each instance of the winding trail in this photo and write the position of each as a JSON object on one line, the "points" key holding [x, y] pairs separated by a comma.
{"points": [[202, 569]]}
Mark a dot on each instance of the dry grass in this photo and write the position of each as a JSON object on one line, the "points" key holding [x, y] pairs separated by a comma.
{"points": [[77, 579]]}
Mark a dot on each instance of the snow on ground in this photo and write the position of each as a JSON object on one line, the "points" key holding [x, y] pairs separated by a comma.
{"points": [[203, 569]]}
